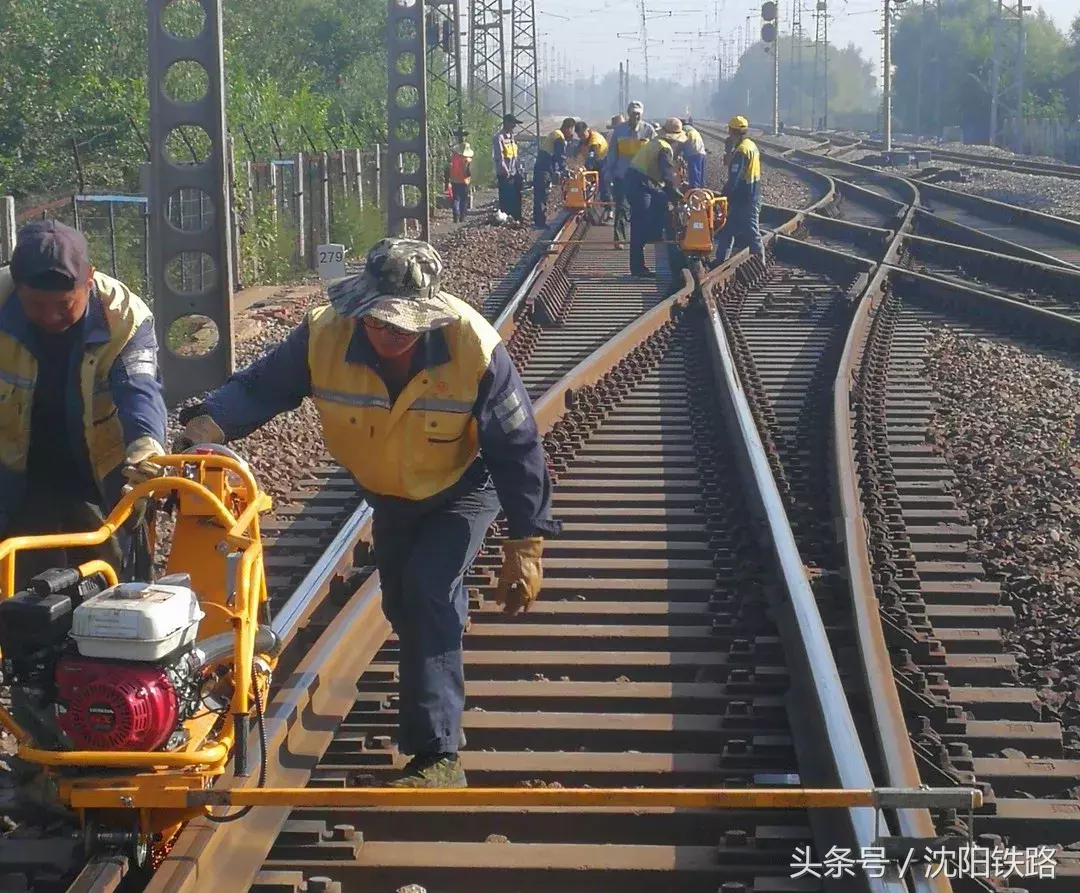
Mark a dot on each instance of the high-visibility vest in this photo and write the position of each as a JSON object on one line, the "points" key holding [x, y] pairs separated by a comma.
{"points": [[647, 161], [547, 144], [422, 443], [752, 168], [102, 431], [595, 141], [459, 168], [629, 146], [696, 143]]}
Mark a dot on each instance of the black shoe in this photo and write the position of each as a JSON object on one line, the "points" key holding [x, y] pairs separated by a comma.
{"points": [[644, 272]]}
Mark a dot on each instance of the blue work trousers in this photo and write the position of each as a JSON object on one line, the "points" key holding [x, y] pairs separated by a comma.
{"points": [[510, 196], [695, 171], [622, 209], [541, 184], [422, 560], [459, 201], [742, 230], [649, 219]]}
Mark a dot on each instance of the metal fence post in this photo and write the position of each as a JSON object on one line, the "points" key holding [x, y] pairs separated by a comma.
{"points": [[275, 182], [234, 216], [7, 229], [359, 179], [344, 158], [298, 210], [378, 176], [249, 212], [324, 200]]}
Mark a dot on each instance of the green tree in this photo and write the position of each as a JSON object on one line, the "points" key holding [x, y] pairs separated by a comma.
{"points": [[955, 55]]}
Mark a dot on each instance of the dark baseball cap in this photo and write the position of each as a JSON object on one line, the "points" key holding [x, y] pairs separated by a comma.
{"points": [[49, 246], [510, 119]]}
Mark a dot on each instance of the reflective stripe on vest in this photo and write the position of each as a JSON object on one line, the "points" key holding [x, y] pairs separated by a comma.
{"points": [[459, 168], [102, 431], [647, 161], [423, 442]]}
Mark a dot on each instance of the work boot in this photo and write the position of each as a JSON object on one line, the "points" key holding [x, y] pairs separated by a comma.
{"points": [[439, 770], [644, 273]]}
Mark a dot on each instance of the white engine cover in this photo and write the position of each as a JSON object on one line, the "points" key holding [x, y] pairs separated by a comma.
{"points": [[136, 621]]}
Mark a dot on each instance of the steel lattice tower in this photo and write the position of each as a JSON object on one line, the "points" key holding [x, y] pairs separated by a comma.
{"points": [[444, 53], [487, 70], [524, 89]]}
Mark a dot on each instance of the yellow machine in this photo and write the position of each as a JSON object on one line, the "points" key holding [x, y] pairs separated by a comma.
{"points": [[147, 686], [580, 189], [698, 218]]}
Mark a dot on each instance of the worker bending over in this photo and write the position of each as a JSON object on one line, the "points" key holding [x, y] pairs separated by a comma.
{"points": [[81, 404], [743, 191], [592, 151], [550, 163], [694, 153], [420, 401], [651, 184], [627, 139], [504, 150], [459, 179]]}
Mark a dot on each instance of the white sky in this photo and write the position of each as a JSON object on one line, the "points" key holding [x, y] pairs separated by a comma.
{"points": [[684, 35]]}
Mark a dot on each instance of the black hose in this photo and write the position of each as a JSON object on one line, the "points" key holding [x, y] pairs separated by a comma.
{"points": [[261, 719]]}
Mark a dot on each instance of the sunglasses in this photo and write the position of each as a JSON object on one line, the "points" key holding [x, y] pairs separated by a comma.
{"points": [[382, 326]]}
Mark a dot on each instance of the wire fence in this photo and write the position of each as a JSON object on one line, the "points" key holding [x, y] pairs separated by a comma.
{"points": [[283, 208]]}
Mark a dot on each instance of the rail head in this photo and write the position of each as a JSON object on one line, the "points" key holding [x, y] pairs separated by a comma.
{"points": [[830, 735], [890, 727]]}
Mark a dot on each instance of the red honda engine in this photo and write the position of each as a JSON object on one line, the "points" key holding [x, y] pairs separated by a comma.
{"points": [[115, 706]]}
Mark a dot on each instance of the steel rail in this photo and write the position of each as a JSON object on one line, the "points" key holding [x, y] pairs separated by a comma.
{"points": [[822, 692], [894, 743]]}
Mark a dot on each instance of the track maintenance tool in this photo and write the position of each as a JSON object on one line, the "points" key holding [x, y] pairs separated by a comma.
{"points": [[132, 698]]}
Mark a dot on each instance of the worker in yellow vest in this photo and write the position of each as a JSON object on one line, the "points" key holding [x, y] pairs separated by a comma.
{"points": [[652, 184], [743, 191], [550, 166], [627, 138], [420, 402], [81, 404], [592, 151], [458, 179]]}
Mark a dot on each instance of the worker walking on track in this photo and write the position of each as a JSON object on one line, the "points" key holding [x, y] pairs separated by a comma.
{"points": [[627, 139], [591, 152], [743, 191], [651, 184], [459, 179], [504, 149], [81, 405], [420, 401], [550, 164], [694, 153]]}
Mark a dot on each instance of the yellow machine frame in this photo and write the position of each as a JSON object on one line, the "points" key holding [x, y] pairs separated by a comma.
{"points": [[217, 531], [580, 189], [698, 218]]}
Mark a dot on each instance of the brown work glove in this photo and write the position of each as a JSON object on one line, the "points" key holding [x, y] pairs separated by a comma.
{"points": [[522, 574]]}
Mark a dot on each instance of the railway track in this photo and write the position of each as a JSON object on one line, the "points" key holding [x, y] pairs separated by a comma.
{"points": [[671, 647]]}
